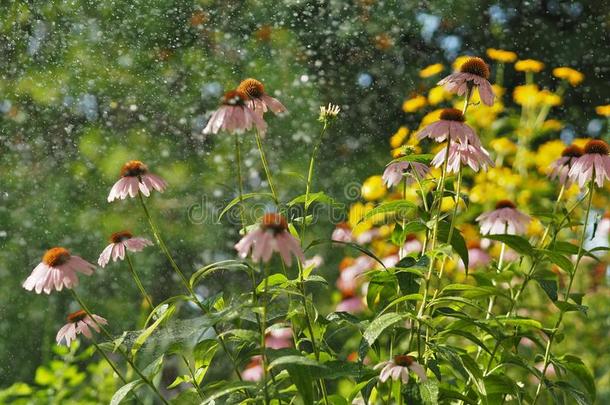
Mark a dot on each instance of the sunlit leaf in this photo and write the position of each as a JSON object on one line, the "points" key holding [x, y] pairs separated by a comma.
{"points": [[243, 197]]}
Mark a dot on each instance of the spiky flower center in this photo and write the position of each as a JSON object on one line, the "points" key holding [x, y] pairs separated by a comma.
{"points": [[572, 151], [251, 87], [234, 98], [476, 66], [133, 168], [452, 114], [596, 146], [505, 204], [56, 256], [274, 222], [404, 360], [121, 236], [77, 316]]}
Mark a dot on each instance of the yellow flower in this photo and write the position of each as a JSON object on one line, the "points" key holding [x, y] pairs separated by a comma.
{"points": [[431, 70], [503, 146], [373, 188], [581, 142], [459, 61], [549, 98], [498, 90], [398, 138], [552, 125], [535, 228], [501, 55], [529, 65], [437, 95], [431, 117], [526, 95], [407, 149], [547, 153], [414, 103], [356, 212], [603, 110], [574, 77]]}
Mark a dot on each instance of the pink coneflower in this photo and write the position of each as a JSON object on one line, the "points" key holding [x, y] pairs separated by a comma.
{"points": [[460, 154], [135, 177], [342, 233], [57, 270], [272, 235], [352, 305], [451, 124], [398, 368], [561, 167], [120, 242], [79, 322], [595, 162], [505, 219], [349, 280], [473, 73], [412, 245], [477, 256], [258, 100], [254, 370], [279, 338], [394, 173], [234, 116]]}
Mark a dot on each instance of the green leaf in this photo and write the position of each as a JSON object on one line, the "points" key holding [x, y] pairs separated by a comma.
{"points": [[139, 342], [204, 352], [381, 289], [578, 368], [421, 158], [548, 282], [313, 197], [457, 241], [243, 197], [398, 207], [569, 307], [179, 380], [211, 268], [272, 280], [399, 234], [379, 324], [517, 243], [295, 360], [227, 389], [154, 367], [124, 390], [525, 322], [429, 392], [446, 393], [560, 260], [350, 244]]}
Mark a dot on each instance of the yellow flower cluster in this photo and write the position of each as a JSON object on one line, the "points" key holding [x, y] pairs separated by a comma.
{"points": [[603, 110], [501, 55], [574, 77], [414, 104], [431, 70], [529, 65], [529, 95]]}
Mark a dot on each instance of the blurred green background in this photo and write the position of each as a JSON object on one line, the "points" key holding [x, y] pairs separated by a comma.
{"points": [[87, 85]]}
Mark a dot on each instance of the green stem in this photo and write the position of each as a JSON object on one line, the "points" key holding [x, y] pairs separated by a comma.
{"points": [[138, 282], [185, 282], [114, 367], [146, 380], [310, 173], [259, 143], [192, 373], [566, 297], [263, 331], [240, 184]]}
